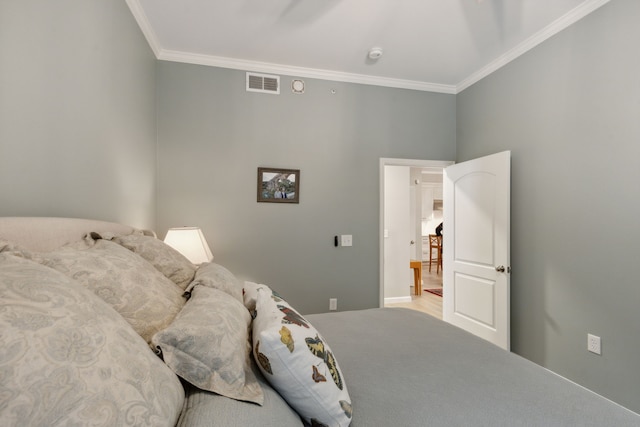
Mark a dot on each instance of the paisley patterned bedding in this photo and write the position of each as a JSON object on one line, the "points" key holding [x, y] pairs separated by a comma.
{"points": [[68, 358], [76, 323]]}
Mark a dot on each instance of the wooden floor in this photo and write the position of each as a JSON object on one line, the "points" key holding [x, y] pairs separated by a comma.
{"points": [[427, 302]]}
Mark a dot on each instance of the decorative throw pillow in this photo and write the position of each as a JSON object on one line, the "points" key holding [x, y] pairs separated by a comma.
{"points": [[163, 257], [215, 276], [208, 345], [67, 358], [133, 287], [250, 295], [298, 363]]}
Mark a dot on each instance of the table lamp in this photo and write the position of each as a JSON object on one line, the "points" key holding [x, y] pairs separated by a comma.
{"points": [[190, 242]]}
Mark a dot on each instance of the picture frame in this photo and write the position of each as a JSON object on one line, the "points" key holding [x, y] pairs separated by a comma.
{"points": [[276, 185]]}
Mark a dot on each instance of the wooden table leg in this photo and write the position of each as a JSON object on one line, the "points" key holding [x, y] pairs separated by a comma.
{"points": [[417, 276]]}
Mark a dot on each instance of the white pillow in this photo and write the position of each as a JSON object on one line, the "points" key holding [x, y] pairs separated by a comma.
{"points": [[298, 363], [250, 295]]}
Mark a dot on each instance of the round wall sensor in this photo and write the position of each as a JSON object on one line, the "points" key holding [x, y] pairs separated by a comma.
{"points": [[375, 53], [297, 86]]}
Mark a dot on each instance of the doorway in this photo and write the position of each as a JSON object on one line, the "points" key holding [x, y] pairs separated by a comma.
{"points": [[476, 283], [400, 260]]}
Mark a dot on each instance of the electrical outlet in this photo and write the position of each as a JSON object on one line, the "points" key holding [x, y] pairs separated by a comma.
{"points": [[333, 304], [593, 344], [346, 240]]}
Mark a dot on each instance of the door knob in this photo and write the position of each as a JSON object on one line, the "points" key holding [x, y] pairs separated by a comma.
{"points": [[500, 269], [413, 243]]}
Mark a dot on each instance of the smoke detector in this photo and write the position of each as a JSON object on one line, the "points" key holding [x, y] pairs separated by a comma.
{"points": [[375, 52]]}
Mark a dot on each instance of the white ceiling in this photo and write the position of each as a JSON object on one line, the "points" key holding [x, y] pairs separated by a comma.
{"points": [[433, 45]]}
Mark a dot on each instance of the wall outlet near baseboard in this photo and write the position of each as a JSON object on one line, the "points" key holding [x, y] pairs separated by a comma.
{"points": [[333, 304], [593, 344], [346, 240]]}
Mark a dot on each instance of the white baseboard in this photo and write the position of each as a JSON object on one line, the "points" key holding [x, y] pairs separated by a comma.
{"points": [[397, 299]]}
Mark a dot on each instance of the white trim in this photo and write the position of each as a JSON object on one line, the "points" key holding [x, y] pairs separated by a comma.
{"points": [[550, 30], [385, 161], [312, 73], [395, 300], [145, 26], [547, 32]]}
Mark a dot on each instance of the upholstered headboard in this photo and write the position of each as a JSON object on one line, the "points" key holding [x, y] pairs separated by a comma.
{"points": [[46, 234]]}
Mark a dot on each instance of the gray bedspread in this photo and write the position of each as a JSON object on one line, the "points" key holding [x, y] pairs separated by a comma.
{"points": [[405, 368]]}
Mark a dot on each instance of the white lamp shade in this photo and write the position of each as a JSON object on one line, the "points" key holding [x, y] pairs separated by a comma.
{"points": [[190, 242]]}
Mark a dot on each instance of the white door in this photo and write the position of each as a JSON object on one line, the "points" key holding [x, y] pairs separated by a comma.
{"points": [[476, 247]]}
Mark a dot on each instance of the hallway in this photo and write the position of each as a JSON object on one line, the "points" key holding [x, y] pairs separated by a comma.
{"points": [[427, 302]]}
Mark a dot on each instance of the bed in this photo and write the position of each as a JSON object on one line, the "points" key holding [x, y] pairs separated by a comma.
{"points": [[73, 352]]}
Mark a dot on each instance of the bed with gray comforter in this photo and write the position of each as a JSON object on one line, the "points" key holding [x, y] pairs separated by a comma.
{"points": [[406, 368], [103, 331]]}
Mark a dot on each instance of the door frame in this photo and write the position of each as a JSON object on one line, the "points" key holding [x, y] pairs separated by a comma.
{"points": [[385, 161]]}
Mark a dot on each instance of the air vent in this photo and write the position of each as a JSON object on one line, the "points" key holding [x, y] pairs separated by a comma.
{"points": [[264, 83]]}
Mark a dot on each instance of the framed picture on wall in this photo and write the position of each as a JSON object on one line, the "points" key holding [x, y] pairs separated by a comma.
{"points": [[278, 185]]}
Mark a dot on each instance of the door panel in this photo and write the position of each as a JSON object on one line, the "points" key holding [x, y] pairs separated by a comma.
{"points": [[476, 244], [474, 201], [474, 299]]}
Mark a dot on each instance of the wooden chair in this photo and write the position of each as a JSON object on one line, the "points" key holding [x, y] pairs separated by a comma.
{"points": [[435, 245]]}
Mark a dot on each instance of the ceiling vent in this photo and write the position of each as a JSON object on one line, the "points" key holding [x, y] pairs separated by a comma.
{"points": [[264, 83]]}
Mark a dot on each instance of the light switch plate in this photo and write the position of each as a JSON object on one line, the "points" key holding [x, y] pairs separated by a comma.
{"points": [[346, 240], [593, 344]]}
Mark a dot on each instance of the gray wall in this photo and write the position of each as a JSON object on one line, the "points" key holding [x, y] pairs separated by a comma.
{"points": [[78, 138], [570, 112], [213, 135], [77, 112]]}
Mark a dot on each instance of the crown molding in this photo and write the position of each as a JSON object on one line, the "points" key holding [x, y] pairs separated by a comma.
{"points": [[145, 26], [555, 27], [314, 73], [264, 67], [547, 32]]}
